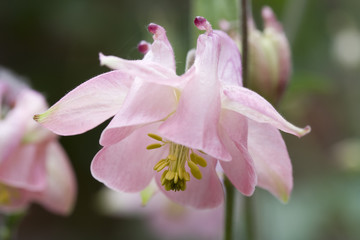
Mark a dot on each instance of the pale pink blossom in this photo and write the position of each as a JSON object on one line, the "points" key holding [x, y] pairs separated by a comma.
{"points": [[33, 165], [181, 124], [166, 219]]}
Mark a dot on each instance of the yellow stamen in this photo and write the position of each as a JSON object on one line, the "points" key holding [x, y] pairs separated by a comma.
{"points": [[161, 164], [196, 173], [181, 173], [193, 166], [153, 146], [187, 176], [5, 197], [156, 137], [170, 175], [176, 178], [198, 160], [171, 157]]}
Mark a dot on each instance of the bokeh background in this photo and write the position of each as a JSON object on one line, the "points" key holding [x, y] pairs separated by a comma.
{"points": [[55, 45]]}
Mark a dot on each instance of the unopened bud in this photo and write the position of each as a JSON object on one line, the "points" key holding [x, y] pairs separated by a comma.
{"points": [[269, 58]]}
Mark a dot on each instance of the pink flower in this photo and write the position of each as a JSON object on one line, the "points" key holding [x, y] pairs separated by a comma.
{"points": [[33, 165], [181, 124], [165, 218]]}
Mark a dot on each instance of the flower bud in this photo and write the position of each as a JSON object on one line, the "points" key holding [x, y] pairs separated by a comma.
{"points": [[269, 58]]}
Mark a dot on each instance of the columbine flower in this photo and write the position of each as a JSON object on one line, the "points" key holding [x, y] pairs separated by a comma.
{"points": [[169, 126], [33, 165], [162, 216]]}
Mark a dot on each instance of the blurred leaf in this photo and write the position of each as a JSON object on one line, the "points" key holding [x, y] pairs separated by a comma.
{"points": [[310, 83]]}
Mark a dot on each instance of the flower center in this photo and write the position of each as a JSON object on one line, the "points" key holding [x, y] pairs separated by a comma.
{"points": [[175, 176], [4, 195]]}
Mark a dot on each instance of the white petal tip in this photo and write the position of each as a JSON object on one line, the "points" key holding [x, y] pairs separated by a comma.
{"points": [[101, 57], [304, 131]]}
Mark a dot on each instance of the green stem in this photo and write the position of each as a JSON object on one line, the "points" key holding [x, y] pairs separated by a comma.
{"points": [[244, 41], [248, 208], [249, 218], [9, 225], [229, 209]]}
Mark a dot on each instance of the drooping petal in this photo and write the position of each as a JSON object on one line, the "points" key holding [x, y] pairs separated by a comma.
{"points": [[145, 103], [15, 125], [229, 61], [60, 192], [87, 105], [128, 165], [204, 193], [272, 162], [240, 170], [195, 123], [25, 167], [255, 107]]}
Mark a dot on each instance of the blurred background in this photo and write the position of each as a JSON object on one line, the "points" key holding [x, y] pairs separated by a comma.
{"points": [[55, 45]]}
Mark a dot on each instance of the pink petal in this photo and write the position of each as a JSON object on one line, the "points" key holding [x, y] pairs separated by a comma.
{"points": [[160, 51], [195, 123], [60, 192], [15, 125], [146, 70], [270, 20], [145, 103], [229, 61], [87, 105], [240, 170], [25, 168], [204, 193], [128, 165], [272, 162], [255, 107]]}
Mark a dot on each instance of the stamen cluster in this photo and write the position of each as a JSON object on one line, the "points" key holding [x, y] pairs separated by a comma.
{"points": [[176, 176], [5, 194]]}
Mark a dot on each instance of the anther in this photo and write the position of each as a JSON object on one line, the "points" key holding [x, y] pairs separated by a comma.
{"points": [[171, 157], [196, 174], [181, 173], [162, 166], [153, 146], [159, 163], [176, 178], [198, 160], [170, 175], [156, 137], [195, 171]]}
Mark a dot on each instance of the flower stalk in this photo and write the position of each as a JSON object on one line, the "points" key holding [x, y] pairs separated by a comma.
{"points": [[247, 207], [247, 203], [9, 225], [229, 209], [244, 41]]}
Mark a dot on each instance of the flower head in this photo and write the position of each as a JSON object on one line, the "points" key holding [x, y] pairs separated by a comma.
{"points": [[178, 128], [33, 165]]}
